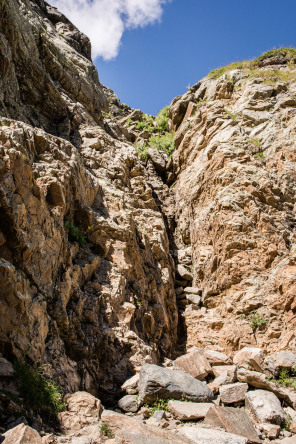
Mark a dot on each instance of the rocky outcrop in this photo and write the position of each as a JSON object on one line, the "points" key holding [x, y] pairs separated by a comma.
{"points": [[235, 206], [86, 274], [47, 77]]}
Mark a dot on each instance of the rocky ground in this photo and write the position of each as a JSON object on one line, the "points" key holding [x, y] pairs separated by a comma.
{"points": [[118, 256], [201, 397]]}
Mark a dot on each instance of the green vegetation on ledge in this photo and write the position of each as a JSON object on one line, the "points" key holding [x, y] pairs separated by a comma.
{"points": [[251, 66], [160, 404], [160, 137], [74, 234]]}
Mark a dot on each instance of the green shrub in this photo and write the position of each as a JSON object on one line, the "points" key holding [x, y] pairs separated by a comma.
{"points": [[106, 431], [146, 124], [159, 404], [141, 149], [259, 155], [38, 391], [255, 141], [229, 114], [163, 143], [255, 321], [285, 425], [162, 119], [286, 377], [74, 234], [129, 122]]}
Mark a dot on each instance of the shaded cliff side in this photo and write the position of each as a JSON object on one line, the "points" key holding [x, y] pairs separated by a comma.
{"points": [[86, 275]]}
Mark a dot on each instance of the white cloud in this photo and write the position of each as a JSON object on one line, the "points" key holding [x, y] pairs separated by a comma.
{"points": [[104, 21]]}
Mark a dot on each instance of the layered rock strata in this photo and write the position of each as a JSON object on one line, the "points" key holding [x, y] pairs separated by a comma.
{"points": [[86, 275], [235, 205]]}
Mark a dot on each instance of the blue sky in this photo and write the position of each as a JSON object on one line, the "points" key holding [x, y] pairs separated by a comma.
{"points": [[157, 62], [148, 51]]}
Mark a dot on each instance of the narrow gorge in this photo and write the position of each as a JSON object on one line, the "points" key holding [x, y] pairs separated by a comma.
{"points": [[117, 257]]}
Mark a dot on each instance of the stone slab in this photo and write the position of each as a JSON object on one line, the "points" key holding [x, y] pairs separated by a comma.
{"points": [[265, 407], [234, 421], [189, 411], [232, 393], [202, 435]]}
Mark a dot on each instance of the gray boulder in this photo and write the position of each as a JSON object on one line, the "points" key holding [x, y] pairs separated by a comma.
{"points": [[280, 360], [162, 383], [265, 406], [129, 403]]}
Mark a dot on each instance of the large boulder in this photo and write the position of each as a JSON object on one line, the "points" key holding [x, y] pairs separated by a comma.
{"points": [[265, 406], [131, 385], [217, 358], [22, 434], [85, 404], [194, 363], [158, 158], [232, 393], [129, 403], [6, 368], [158, 382], [129, 430], [260, 380], [228, 370], [250, 358], [184, 273]]}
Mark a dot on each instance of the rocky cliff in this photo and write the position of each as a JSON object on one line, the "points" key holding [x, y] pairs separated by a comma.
{"points": [[86, 275], [110, 260], [235, 202]]}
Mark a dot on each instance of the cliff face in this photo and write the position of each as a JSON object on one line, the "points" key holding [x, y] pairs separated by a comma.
{"points": [[235, 203], [90, 234], [47, 77], [97, 308]]}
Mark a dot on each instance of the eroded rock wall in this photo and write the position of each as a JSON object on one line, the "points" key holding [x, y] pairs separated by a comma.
{"points": [[47, 78], [96, 309], [235, 204]]}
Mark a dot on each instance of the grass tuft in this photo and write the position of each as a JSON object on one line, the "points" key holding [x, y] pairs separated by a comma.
{"points": [[106, 431], [163, 143], [38, 391], [159, 404], [74, 234]]}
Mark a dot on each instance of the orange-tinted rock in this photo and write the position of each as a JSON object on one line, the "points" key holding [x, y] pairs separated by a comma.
{"points": [[194, 363], [22, 434]]}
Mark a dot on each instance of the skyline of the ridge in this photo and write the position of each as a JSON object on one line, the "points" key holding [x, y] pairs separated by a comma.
{"points": [[179, 42]]}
